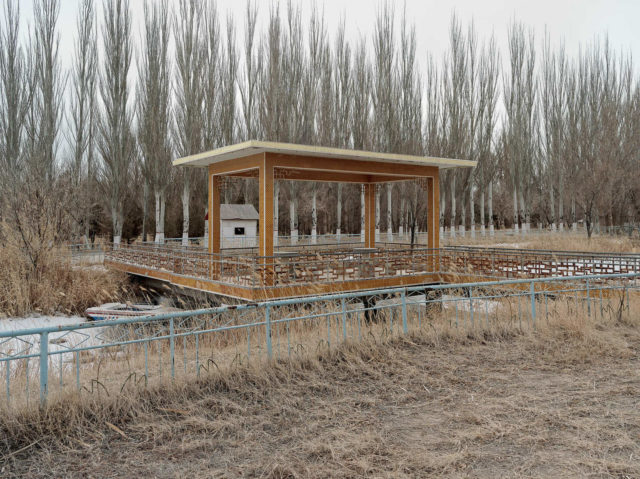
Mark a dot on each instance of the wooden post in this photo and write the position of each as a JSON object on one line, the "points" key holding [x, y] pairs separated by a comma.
{"points": [[430, 213], [214, 224], [433, 218], [369, 215], [214, 214], [266, 217], [436, 210]]}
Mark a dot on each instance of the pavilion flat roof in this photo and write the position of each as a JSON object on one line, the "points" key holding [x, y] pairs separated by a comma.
{"points": [[252, 147]]}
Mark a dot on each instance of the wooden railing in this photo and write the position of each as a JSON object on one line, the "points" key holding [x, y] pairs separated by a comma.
{"points": [[343, 265]]}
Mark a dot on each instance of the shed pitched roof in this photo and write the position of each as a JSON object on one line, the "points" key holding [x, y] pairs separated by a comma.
{"points": [[238, 212]]}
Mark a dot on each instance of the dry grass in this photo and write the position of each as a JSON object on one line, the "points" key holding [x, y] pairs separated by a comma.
{"points": [[560, 401], [555, 241], [53, 285]]}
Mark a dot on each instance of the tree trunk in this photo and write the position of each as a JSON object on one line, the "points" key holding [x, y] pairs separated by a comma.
{"points": [[443, 206], [515, 208], [314, 214], [117, 220], [472, 219], [293, 212], [145, 209], [247, 188], [401, 222], [276, 211], [452, 226], [377, 213], [293, 230], [482, 218], [463, 215], [552, 206], [339, 212], [561, 210], [389, 218], [490, 194], [574, 221], [160, 207], [362, 213], [186, 193], [522, 212]]}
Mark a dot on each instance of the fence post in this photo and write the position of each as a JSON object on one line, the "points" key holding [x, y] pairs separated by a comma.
{"points": [[267, 326], [471, 306], [344, 320], [44, 366], [405, 328], [172, 348], [533, 303], [588, 300]]}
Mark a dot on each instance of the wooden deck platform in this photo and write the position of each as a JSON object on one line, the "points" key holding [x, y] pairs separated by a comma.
{"points": [[308, 272]]}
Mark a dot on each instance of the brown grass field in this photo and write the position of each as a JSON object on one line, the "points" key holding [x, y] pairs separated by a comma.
{"points": [[561, 401], [567, 241]]}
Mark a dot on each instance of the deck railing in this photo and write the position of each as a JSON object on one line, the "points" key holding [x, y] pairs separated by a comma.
{"points": [[392, 260]]}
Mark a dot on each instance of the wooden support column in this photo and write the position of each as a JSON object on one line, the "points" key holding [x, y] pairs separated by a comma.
{"points": [[214, 214], [430, 217], [266, 216], [433, 218], [369, 215], [436, 210]]}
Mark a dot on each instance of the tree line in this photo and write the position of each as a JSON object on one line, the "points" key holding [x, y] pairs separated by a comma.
{"points": [[87, 151]]}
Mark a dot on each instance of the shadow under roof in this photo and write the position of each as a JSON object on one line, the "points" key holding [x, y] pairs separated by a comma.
{"points": [[252, 147]]}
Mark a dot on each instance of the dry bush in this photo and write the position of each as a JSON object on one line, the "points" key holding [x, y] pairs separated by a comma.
{"points": [[53, 285], [36, 274]]}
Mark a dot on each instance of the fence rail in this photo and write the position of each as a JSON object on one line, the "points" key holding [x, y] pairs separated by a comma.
{"points": [[107, 357]]}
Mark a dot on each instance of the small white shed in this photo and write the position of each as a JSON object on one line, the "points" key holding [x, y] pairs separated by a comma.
{"points": [[238, 226]]}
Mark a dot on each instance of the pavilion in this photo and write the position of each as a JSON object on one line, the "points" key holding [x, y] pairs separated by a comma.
{"points": [[268, 272]]}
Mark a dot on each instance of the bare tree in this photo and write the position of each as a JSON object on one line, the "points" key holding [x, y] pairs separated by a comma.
{"points": [[252, 65], [82, 118], [520, 121], [116, 142], [15, 95], [343, 104], [488, 86], [191, 67], [454, 83], [154, 109], [49, 84]]}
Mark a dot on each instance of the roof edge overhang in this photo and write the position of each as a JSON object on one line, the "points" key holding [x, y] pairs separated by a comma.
{"points": [[252, 147]]}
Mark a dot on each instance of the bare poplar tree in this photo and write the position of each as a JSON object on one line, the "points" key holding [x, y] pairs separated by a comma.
{"points": [[252, 64], [343, 103], [454, 83], [82, 119], [154, 109], [213, 82], [385, 89], [435, 124], [552, 107], [191, 67], [361, 119], [49, 84], [116, 143], [488, 96], [409, 129], [520, 121], [15, 95]]}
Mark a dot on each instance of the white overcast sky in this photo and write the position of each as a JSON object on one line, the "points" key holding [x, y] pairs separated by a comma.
{"points": [[575, 22]]}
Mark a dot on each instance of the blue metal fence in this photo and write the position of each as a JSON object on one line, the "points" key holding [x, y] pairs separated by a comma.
{"points": [[107, 357]]}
